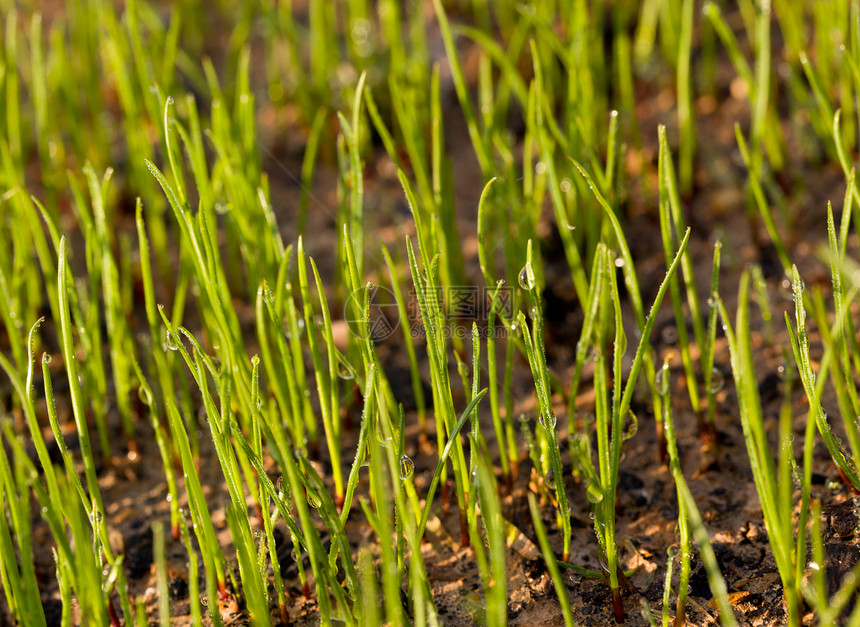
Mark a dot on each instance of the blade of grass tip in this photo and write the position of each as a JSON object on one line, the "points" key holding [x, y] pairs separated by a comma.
{"points": [[482, 232], [649, 325]]}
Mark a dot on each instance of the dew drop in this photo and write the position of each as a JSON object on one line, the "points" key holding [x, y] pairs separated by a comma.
{"points": [[170, 341], [527, 278], [96, 517], [314, 500], [344, 372], [631, 426], [407, 467], [204, 601], [46, 358], [718, 380], [550, 479], [144, 394], [549, 422], [594, 494]]}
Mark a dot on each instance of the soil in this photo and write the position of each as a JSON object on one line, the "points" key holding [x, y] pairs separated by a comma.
{"points": [[134, 490]]}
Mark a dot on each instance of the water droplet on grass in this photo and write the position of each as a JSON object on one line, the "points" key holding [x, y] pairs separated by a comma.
{"points": [[718, 380], [144, 395], [594, 494], [407, 467], [527, 278], [344, 372], [170, 341], [46, 358], [549, 422], [631, 426]]}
